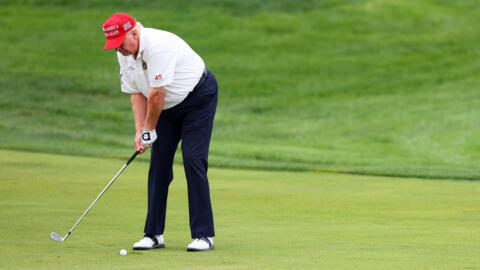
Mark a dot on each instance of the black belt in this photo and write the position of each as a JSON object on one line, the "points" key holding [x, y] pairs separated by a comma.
{"points": [[202, 79]]}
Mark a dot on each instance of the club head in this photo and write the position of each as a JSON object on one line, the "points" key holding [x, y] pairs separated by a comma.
{"points": [[55, 236]]}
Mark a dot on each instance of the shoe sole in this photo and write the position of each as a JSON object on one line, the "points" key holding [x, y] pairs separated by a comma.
{"points": [[147, 248], [196, 250]]}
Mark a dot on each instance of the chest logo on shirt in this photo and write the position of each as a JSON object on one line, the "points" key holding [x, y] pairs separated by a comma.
{"points": [[144, 65], [158, 77]]}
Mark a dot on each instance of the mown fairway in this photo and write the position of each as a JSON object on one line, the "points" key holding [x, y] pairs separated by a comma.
{"points": [[264, 220], [382, 87]]}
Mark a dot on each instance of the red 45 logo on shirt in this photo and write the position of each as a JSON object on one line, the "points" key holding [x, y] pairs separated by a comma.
{"points": [[158, 77]]}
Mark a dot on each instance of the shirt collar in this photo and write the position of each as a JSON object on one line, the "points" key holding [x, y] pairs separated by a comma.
{"points": [[143, 40]]}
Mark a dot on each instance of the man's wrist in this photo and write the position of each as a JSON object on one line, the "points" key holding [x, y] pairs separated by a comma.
{"points": [[147, 129], [148, 126]]}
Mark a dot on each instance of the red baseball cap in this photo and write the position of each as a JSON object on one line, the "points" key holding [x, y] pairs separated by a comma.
{"points": [[115, 29]]}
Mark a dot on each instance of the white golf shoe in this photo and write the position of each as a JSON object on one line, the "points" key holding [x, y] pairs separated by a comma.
{"points": [[201, 244], [149, 242]]}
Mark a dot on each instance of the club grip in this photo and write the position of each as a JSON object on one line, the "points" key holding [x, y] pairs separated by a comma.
{"points": [[132, 157]]}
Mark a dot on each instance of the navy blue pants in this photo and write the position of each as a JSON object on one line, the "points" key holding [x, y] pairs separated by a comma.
{"points": [[190, 121]]}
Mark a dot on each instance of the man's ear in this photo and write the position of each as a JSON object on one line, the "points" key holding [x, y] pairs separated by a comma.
{"points": [[135, 33]]}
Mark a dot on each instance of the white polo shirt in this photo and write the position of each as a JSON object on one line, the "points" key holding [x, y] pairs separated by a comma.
{"points": [[163, 59]]}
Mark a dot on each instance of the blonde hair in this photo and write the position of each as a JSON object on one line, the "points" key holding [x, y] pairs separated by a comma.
{"points": [[138, 26]]}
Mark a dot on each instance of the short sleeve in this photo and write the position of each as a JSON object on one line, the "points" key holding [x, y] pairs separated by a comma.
{"points": [[161, 68]]}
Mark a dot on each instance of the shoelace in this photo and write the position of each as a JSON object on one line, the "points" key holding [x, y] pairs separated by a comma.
{"points": [[203, 240], [154, 240], [152, 237]]}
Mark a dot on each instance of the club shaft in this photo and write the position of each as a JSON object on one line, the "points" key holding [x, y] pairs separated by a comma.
{"points": [[101, 193]]}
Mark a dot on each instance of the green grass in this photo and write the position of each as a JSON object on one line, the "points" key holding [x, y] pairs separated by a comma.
{"points": [[341, 90], [380, 87], [264, 220]]}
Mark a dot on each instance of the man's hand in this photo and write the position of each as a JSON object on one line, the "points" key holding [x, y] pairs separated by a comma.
{"points": [[137, 142], [148, 137]]}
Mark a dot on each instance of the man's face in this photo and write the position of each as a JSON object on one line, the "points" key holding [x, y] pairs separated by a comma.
{"points": [[130, 44]]}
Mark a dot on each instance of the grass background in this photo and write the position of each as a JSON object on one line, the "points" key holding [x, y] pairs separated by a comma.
{"points": [[379, 87], [374, 87], [264, 219]]}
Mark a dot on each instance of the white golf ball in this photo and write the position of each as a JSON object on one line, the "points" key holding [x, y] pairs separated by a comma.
{"points": [[123, 252]]}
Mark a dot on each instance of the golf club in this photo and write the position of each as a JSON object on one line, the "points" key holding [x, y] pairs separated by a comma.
{"points": [[55, 236]]}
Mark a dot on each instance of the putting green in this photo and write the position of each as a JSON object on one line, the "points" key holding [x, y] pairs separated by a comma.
{"points": [[264, 220]]}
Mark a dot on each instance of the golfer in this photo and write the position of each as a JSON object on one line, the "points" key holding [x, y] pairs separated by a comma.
{"points": [[173, 97]]}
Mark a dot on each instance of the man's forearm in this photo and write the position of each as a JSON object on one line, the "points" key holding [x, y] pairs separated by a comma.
{"points": [[155, 103], [139, 107]]}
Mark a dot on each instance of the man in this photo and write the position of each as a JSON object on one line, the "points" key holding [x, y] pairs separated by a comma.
{"points": [[173, 98]]}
